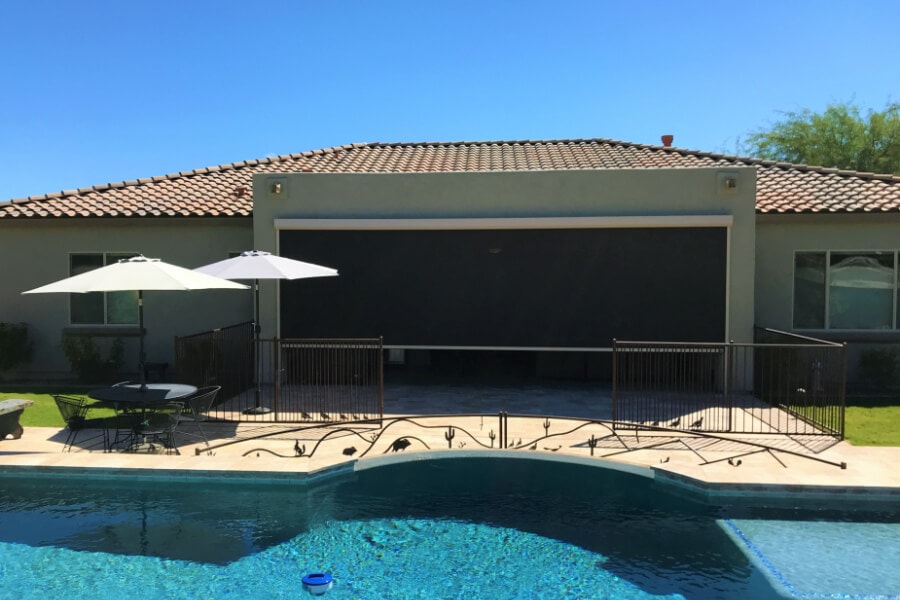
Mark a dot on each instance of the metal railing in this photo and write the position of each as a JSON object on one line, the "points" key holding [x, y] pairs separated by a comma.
{"points": [[509, 432], [780, 383], [284, 380], [221, 357], [330, 379]]}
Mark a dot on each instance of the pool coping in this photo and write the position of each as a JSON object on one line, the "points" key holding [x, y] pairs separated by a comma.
{"points": [[375, 462], [162, 474], [751, 493], [708, 492]]}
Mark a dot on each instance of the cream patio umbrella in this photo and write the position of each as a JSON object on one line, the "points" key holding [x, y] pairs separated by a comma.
{"points": [[138, 274], [256, 265]]}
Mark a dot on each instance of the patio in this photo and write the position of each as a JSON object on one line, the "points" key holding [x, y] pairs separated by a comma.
{"points": [[771, 465]]}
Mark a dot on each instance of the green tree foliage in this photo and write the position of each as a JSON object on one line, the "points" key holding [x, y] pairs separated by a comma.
{"points": [[840, 137], [87, 360]]}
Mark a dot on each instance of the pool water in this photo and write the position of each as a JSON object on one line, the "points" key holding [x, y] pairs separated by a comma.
{"points": [[862, 557], [451, 528]]}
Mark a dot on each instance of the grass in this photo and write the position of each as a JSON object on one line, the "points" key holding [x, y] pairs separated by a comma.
{"points": [[872, 421], [868, 422], [43, 413]]}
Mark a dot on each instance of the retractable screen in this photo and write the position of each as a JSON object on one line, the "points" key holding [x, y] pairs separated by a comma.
{"points": [[566, 288]]}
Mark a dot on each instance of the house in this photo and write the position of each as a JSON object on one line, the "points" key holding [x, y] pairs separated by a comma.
{"points": [[526, 255]]}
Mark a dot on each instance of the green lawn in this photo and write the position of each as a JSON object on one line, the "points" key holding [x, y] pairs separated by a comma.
{"points": [[873, 425], [43, 413], [867, 423]]}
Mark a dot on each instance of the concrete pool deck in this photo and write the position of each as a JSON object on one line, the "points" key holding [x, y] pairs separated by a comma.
{"points": [[870, 472], [709, 465]]}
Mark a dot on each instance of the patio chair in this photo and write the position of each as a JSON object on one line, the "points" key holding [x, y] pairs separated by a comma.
{"points": [[73, 411], [120, 428], [199, 405], [159, 428]]}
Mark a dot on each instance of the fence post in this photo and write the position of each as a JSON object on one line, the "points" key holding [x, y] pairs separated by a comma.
{"points": [[381, 376], [615, 376], [276, 374], [843, 391], [729, 381]]}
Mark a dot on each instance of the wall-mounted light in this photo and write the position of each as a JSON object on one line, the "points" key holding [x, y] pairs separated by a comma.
{"points": [[495, 250], [727, 182], [275, 188]]}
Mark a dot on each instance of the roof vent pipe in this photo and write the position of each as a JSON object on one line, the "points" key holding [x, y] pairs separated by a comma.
{"points": [[667, 140]]}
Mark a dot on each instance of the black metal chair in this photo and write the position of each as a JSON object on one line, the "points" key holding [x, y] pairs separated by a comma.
{"points": [[73, 411], [120, 428], [159, 427], [199, 404]]}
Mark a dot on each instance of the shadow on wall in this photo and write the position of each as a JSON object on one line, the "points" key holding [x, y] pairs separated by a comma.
{"points": [[499, 367], [16, 347]]}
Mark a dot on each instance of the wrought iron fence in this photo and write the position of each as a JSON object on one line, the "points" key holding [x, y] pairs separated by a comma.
{"points": [[780, 383], [286, 380], [330, 379], [221, 357], [507, 432]]}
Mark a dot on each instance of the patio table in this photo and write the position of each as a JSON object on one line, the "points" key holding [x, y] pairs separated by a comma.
{"points": [[140, 400], [133, 396]]}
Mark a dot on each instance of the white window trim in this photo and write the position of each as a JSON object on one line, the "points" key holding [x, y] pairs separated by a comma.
{"points": [[105, 324], [895, 321]]}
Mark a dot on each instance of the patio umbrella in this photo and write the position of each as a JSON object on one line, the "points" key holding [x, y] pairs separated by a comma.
{"points": [[138, 274], [256, 265]]}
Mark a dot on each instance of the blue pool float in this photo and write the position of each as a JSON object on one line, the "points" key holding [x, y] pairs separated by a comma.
{"points": [[317, 583]]}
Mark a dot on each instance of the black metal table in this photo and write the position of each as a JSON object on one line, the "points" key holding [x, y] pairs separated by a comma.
{"points": [[139, 400], [134, 395]]}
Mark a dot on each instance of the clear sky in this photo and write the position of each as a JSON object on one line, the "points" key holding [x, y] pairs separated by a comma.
{"points": [[95, 91]]}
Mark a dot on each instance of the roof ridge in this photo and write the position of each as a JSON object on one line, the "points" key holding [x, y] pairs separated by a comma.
{"points": [[671, 149], [233, 166]]}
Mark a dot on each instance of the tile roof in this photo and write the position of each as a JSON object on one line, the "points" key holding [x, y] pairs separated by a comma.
{"points": [[225, 190]]}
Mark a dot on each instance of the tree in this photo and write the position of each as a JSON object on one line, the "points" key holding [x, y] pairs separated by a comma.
{"points": [[840, 137]]}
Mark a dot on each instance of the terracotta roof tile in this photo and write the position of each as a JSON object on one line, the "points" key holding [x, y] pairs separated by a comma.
{"points": [[212, 191]]}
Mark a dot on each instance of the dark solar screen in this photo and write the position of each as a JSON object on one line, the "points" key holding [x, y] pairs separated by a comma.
{"points": [[521, 288]]}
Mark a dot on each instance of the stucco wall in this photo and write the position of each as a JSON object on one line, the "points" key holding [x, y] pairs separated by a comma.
{"points": [[37, 252], [669, 193], [780, 236]]}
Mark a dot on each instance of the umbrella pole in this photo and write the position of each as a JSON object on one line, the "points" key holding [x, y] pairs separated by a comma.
{"points": [[142, 357], [258, 408]]}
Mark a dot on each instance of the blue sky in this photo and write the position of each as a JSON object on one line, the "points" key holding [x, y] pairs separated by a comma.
{"points": [[100, 91]]}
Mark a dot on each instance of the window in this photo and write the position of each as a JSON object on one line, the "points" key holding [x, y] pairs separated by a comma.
{"points": [[846, 290], [97, 308]]}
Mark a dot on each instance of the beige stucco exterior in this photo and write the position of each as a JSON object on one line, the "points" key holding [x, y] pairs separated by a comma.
{"points": [[760, 247], [37, 252], [778, 237], [659, 197]]}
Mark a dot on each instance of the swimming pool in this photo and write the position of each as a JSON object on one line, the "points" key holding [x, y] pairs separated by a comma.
{"points": [[450, 528]]}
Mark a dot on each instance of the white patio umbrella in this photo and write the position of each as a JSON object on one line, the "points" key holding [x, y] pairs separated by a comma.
{"points": [[256, 265], [138, 274]]}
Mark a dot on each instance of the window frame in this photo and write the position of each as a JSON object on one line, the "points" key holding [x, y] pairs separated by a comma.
{"points": [[118, 255], [827, 317]]}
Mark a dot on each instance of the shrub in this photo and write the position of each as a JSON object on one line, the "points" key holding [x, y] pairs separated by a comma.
{"points": [[15, 347], [879, 366], [87, 362]]}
